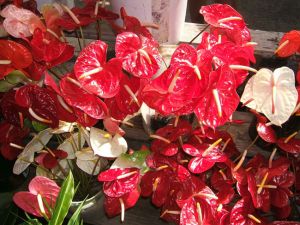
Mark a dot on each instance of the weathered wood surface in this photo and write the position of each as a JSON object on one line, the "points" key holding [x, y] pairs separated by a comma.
{"points": [[267, 40]]}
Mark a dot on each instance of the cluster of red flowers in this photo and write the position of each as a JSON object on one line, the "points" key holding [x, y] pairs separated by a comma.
{"points": [[196, 175]]}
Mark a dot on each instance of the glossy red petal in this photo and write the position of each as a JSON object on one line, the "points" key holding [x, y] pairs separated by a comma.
{"points": [[289, 44], [215, 112], [139, 56], [77, 97], [112, 205], [191, 150], [18, 56], [119, 187], [215, 12], [279, 198], [266, 132], [292, 146], [200, 165], [95, 74], [113, 174]]}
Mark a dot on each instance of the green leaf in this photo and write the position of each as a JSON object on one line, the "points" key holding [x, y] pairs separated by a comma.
{"points": [[75, 219], [9, 215], [38, 126], [5, 86], [16, 77], [63, 201]]}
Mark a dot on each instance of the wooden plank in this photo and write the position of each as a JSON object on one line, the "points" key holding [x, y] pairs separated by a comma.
{"points": [[267, 40]]}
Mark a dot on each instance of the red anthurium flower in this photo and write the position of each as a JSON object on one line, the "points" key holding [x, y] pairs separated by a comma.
{"points": [[139, 54], [84, 119], [220, 100], [11, 140], [198, 204], [221, 180], [289, 144], [132, 24], [222, 15], [12, 112], [116, 205], [128, 98], [228, 53], [114, 110], [265, 131], [96, 11], [65, 112], [243, 212], [71, 20], [95, 74], [118, 182], [205, 156], [35, 70], [270, 186], [20, 22], [52, 51], [157, 184], [289, 44], [49, 160], [41, 189], [75, 95], [13, 56], [176, 91], [226, 20], [166, 138], [39, 103]]}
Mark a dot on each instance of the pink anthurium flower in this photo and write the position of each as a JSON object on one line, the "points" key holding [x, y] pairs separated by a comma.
{"points": [[139, 55], [40, 189], [95, 74], [20, 22]]}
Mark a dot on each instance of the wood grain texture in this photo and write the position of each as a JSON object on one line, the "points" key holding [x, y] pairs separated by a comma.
{"points": [[267, 40]]}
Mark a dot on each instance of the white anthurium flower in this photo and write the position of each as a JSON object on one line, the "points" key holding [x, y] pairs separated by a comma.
{"points": [[273, 93], [276, 94], [63, 127], [86, 161], [86, 134], [71, 145], [247, 96], [106, 145], [35, 145]]}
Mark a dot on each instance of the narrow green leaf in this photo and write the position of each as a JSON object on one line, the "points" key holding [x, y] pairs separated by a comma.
{"points": [[5, 86], [16, 77], [74, 220], [63, 201], [38, 126]]}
